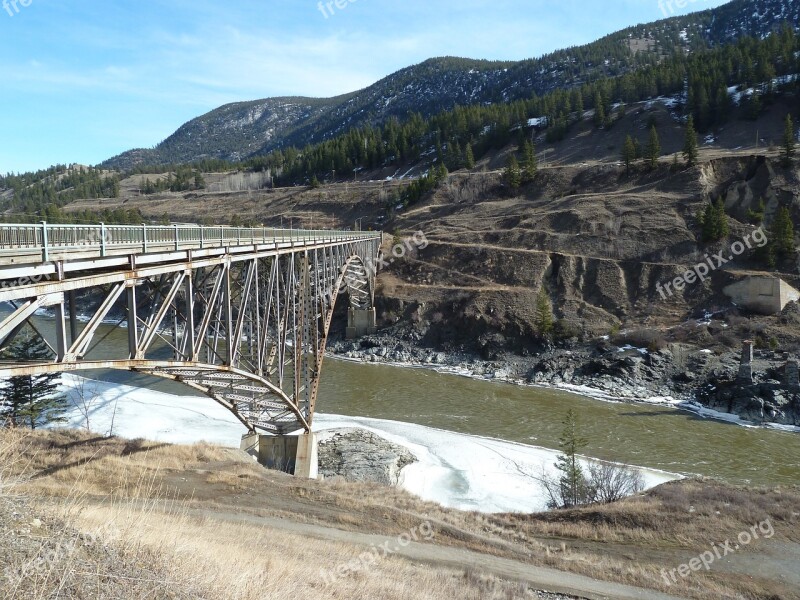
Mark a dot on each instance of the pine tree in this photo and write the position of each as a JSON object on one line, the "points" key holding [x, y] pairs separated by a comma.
{"points": [[628, 153], [573, 484], [653, 148], [690, 145], [782, 234], [529, 164], [756, 217], [544, 313], [31, 400], [599, 111], [789, 142], [715, 222], [469, 157], [512, 174]]}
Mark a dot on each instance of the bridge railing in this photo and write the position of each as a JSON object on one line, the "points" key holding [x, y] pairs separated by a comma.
{"points": [[47, 237]]}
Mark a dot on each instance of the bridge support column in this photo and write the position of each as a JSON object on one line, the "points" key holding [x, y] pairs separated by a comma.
{"points": [[360, 323], [293, 454]]}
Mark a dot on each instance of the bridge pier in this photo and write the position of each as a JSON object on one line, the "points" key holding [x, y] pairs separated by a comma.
{"points": [[293, 454], [360, 322]]}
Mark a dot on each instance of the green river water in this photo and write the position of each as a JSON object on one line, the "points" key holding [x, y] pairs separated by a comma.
{"points": [[658, 437]]}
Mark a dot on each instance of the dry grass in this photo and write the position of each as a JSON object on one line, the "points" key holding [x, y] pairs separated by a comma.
{"points": [[154, 493], [142, 541], [238, 561]]}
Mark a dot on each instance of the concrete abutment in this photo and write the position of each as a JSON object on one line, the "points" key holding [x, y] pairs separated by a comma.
{"points": [[361, 322], [293, 454]]}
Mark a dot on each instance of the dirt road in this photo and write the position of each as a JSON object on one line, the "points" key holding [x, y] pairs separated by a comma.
{"points": [[540, 577]]}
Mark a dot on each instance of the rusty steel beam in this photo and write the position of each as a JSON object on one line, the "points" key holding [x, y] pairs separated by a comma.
{"points": [[246, 325]]}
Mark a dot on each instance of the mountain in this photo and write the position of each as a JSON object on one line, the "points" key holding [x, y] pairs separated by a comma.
{"points": [[243, 129]]}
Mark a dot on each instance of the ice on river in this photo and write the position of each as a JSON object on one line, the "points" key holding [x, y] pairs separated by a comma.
{"points": [[454, 469]]}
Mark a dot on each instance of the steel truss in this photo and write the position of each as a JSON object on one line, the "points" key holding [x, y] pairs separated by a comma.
{"points": [[247, 328]]}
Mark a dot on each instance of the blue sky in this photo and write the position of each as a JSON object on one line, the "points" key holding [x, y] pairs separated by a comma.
{"points": [[86, 79]]}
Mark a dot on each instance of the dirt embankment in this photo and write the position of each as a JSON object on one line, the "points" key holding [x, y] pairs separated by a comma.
{"points": [[598, 240], [601, 242], [183, 522]]}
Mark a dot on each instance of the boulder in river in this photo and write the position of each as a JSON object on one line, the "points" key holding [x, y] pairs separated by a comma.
{"points": [[360, 455]]}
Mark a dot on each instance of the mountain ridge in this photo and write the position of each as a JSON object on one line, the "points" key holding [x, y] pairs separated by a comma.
{"points": [[243, 129]]}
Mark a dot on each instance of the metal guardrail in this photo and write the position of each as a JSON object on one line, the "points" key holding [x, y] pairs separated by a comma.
{"points": [[47, 237]]}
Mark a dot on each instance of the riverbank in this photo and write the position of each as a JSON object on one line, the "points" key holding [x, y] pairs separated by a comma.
{"points": [[143, 497], [455, 470], [677, 375]]}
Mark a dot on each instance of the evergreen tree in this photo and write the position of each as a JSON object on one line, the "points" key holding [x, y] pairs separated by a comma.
{"points": [[544, 313], [628, 154], [690, 145], [782, 234], [714, 222], [789, 142], [599, 111], [529, 164], [573, 484], [31, 400], [512, 173], [469, 157], [756, 217], [653, 148]]}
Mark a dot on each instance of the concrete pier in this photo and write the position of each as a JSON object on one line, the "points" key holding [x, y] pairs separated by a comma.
{"points": [[746, 366], [293, 454], [361, 323]]}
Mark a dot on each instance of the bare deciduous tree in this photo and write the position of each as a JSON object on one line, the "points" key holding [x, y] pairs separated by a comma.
{"points": [[85, 397]]}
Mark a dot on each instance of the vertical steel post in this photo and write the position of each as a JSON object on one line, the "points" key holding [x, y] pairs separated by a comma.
{"points": [[227, 315], [45, 243], [61, 331], [188, 332], [133, 322], [73, 317]]}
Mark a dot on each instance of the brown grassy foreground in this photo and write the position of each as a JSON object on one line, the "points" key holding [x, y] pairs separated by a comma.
{"points": [[142, 519]]}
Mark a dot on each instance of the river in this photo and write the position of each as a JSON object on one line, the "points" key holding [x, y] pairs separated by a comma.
{"points": [[659, 437]]}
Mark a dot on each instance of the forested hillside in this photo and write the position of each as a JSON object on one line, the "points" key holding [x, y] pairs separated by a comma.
{"points": [[237, 131]]}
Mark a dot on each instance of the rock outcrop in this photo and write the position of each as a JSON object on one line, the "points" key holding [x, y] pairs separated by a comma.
{"points": [[359, 455]]}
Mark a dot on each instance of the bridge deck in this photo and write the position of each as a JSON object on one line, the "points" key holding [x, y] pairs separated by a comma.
{"points": [[28, 244], [240, 314]]}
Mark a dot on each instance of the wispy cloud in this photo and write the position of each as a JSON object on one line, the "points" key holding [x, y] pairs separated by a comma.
{"points": [[129, 73]]}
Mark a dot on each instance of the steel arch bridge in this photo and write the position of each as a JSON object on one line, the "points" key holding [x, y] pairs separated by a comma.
{"points": [[239, 314]]}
